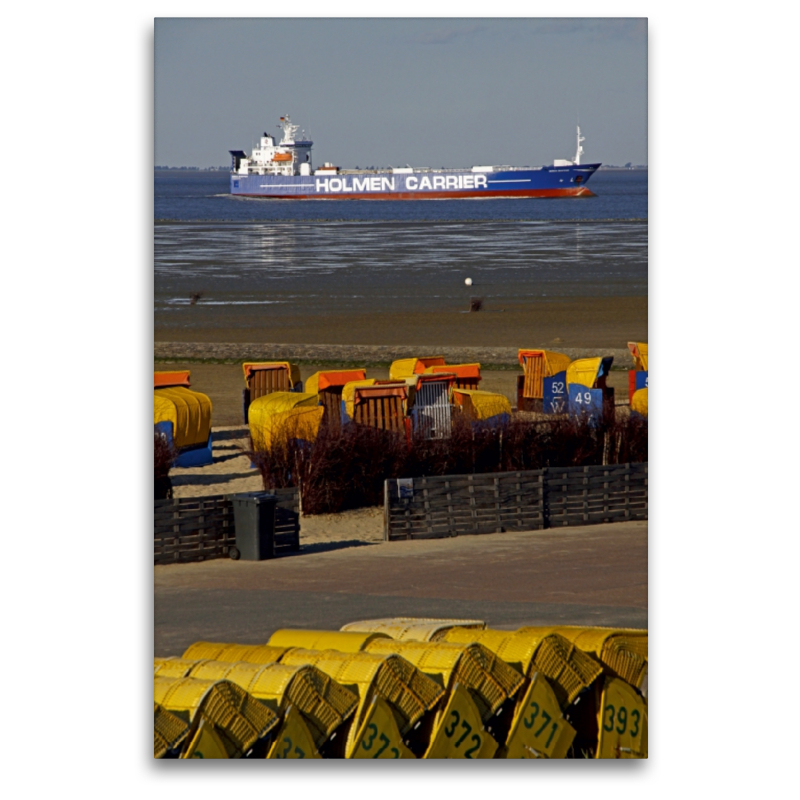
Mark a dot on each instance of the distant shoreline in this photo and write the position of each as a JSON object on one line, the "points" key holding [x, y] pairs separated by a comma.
{"points": [[367, 355]]}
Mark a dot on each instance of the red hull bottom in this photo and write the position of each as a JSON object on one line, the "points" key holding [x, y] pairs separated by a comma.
{"points": [[577, 192]]}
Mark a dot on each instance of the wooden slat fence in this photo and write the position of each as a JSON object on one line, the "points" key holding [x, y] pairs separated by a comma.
{"points": [[456, 505], [201, 528], [588, 495]]}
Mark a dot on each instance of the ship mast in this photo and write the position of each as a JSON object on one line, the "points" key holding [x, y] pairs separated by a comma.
{"points": [[289, 130], [579, 150]]}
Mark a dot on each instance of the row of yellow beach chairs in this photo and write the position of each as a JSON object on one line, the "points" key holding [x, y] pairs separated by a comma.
{"points": [[547, 378], [419, 395], [408, 688]]}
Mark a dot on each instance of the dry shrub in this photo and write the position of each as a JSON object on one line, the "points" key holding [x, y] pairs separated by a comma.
{"points": [[343, 468], [165, 453], [346, 467]]}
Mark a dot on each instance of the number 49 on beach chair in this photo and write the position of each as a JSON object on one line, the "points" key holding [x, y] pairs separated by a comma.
{"points": [[586, 384]]}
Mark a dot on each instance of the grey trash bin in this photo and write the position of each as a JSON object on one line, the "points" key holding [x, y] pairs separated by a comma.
{"points": [[254, 521]]}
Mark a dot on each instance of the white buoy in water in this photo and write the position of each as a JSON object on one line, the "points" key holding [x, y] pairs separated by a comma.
{"points": [[468, 281]]}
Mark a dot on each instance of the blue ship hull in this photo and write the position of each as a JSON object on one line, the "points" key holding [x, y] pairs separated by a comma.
{"points": [[555, 181]]}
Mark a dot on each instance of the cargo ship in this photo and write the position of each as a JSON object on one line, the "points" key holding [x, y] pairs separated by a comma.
{"points": [[284, 171]]}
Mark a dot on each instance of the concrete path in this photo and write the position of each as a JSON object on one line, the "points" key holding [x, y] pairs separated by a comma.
{"points": [[593, 575]]}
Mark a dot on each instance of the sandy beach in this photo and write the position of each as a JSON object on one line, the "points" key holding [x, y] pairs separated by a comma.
{"points": [[553, 323], [578, 327]]}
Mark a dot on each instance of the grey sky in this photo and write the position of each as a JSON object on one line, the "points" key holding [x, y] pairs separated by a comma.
{"points": [[427, 92]]}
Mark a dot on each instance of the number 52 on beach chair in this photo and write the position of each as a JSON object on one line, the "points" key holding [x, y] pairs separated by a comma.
{"points": [[543, 386]]}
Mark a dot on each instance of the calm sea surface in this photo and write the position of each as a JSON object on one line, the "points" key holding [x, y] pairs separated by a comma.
{"points": [[192, 195], [318, 256]]}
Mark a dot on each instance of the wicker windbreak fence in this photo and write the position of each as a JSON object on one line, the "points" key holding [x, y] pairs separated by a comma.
{"points": [[456, 505], [200, 528]]}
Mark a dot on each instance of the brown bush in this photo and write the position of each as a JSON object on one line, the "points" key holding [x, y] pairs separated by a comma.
{"points": [[165, 453], [346, 467]]}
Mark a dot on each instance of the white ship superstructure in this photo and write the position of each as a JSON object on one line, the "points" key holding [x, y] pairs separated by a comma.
{"points": [[291, 156]]}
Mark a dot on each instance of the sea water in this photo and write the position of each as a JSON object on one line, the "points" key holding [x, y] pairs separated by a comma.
{"points": [[289, 256]]}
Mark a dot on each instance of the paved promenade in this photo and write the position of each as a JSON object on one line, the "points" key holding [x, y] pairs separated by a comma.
{"points": [[593, 575]]}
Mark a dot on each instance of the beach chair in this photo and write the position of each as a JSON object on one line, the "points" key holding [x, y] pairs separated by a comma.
{"points": [[328, 384], [413, 629], [265, 377], [639, 402], [278, 417], [348, 398], [382, 405], [484, 407], [324, 705], [543, 384], [429, 404], [480, 687], [396, 702], [224, 720], [183, 418], [558, 675], [407, 367], [588, 394], [468, 376], [637, 377]]}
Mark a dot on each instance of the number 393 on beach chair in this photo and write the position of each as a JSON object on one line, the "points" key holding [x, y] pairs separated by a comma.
{"points": [[637, 377], [543, 386], [265, 377], [586, 386], [183, 417]]}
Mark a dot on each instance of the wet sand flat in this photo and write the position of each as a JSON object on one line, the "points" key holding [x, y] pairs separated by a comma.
{"points": [[594, 322]]}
